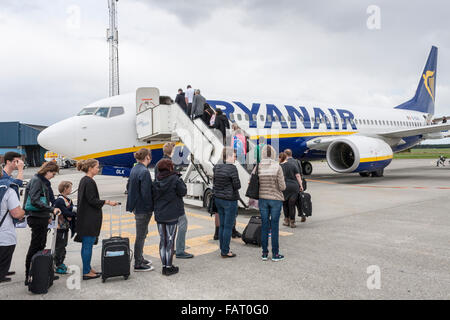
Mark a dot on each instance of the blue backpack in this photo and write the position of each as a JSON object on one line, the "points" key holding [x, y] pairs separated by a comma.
{"points": [[237, 145]]}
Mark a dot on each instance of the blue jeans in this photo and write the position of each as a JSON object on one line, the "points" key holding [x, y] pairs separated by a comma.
{"points": [[86, 253], [227, 213], [270, 215], [181, 236]]}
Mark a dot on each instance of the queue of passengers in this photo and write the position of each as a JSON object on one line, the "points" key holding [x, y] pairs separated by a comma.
{"points": [[280, 183]]}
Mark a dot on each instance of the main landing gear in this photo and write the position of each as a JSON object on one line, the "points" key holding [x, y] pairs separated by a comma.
{"points": [[374, 174], [307, 168]]}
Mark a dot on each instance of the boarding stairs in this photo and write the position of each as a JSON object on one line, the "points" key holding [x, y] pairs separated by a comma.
{"points": [[169, 122]]}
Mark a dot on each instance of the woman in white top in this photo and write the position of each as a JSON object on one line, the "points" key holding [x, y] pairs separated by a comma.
{"points": [[10, 208]]}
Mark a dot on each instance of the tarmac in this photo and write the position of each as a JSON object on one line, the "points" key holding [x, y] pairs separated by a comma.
{"points": [[368, 238]]}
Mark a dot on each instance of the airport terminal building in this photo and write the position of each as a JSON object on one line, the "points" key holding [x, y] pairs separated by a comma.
{"points": [[22, 138]]}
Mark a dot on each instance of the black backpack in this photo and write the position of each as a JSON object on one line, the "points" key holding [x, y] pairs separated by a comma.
{"points": [[304, 204]]}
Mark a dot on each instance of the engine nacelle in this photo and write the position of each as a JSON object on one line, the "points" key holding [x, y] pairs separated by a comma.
{"points": [[358, 154]]}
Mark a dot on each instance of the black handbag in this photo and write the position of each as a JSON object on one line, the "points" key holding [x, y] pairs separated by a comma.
{"points": [[253, 186], [212, 209]]}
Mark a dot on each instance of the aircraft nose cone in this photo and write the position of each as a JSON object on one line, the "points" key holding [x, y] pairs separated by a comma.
{"points": [[59, 138]]}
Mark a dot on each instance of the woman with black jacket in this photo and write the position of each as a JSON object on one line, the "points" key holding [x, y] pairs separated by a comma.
{"points": [[168, 192], [89, 214], [226, 192], [221, 123], [39, 205]]}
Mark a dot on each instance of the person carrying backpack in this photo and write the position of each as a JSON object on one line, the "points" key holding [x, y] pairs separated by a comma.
{"points": [[66, 222], [39, 205], [9, 209]]}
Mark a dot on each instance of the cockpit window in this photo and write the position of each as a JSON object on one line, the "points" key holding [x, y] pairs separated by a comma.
{"points": [[102, 112], [116, 111], [87, 111]]}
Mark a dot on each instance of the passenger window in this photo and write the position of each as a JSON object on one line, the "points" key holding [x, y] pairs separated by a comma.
{"points": [[269, 118], [102, 112], [371, 122], [282, 119], [289, 119], [302, 120], [275, 118], [116, 111], [261, 117], [254, 117], [232, 116], [239, 117], [246, 117]]}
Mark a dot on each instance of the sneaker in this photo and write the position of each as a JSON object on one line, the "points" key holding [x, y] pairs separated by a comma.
{"points": [[265, 256], [143, 268], [286, 222], [5, 279], [184, 255], [303, 219], [147, 262], [61, 270], [10, 273], [171, 270], [278, 257], [63, 266]]}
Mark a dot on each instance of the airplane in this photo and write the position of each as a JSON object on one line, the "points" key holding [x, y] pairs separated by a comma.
{"points": [[351, 139]]}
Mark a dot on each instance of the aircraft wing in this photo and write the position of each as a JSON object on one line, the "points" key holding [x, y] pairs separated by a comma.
{"points": [[415, 131]]}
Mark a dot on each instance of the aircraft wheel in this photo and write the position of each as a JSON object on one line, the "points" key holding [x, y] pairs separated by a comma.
{"points": [[307, 168], [364, 174], [378, 173]]}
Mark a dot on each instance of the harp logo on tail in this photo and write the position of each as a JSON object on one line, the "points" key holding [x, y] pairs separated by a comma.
{"points": [[428, 79]]}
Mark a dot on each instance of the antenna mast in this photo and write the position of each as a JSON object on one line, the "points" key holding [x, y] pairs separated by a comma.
{"points": [[112, 37]]}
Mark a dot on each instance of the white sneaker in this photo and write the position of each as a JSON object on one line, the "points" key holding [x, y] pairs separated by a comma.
{"points": [[147, 262]]}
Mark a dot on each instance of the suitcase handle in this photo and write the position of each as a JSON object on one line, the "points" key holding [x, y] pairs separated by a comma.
{"points": [[120, 221]]}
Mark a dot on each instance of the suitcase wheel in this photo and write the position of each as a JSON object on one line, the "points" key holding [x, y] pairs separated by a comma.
{"points": [[125, 277], [103, 280]]}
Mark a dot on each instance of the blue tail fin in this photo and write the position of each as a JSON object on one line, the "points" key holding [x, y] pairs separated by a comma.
{"points": [[423, 100]]}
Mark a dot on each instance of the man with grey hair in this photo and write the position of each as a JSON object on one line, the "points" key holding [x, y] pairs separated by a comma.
{"points": [[198, 105]]}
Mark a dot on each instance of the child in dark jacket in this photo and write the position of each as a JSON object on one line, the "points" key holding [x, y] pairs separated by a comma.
{"points": [[66, 221]]}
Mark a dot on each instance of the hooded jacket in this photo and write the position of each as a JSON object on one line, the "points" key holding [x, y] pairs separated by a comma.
{"points": [[168, 196]]}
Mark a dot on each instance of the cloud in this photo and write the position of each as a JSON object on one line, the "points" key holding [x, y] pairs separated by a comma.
{"points": [[284, 51]]}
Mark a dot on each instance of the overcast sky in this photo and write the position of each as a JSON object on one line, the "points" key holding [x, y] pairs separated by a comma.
{"points": [[55, 56]]}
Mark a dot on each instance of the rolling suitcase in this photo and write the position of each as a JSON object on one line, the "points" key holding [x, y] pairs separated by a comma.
{"points": [[116, 257], [252, 232], [42, 270]]}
